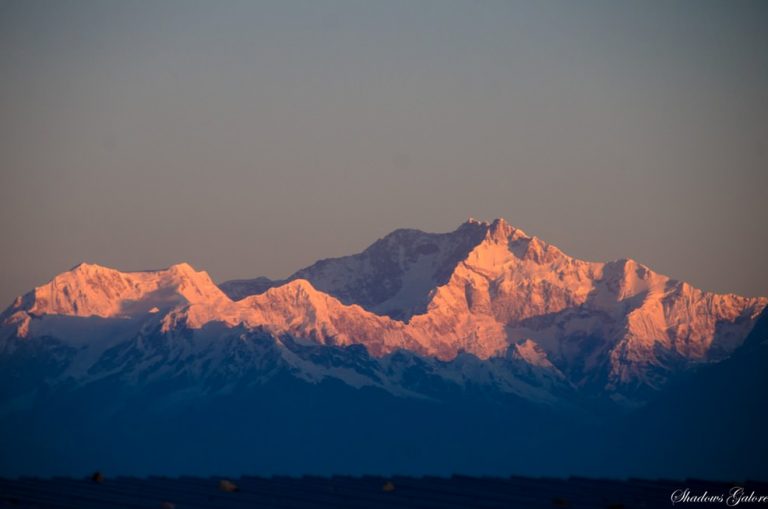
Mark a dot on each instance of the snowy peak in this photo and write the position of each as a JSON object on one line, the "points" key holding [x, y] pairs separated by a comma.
{"points": [[93, 290], [513, 288], [396, 274], [297, 299], [501, 231]]}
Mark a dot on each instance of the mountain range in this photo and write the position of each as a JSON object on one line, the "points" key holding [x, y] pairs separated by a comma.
{"points": [[482, 350]]}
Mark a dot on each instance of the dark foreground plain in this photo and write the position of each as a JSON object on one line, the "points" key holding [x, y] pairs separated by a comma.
{"points": [[353, 492]]}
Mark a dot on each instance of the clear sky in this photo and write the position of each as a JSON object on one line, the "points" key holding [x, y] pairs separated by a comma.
{"points": [[252, 138]]}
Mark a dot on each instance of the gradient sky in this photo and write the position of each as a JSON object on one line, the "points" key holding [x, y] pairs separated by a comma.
{"points": [[253, 138]]}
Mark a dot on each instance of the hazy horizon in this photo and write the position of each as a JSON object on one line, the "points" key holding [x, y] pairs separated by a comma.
{"points": [[254, 138]]}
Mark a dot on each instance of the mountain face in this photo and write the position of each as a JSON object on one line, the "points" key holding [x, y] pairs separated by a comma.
{"points": [[394, 276], [485, 321]]}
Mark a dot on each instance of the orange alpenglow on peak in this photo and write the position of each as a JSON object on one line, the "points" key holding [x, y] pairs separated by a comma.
{"points": [[94, 290]]}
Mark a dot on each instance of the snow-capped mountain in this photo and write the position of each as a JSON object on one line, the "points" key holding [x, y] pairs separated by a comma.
{"points": [[489, 290], [485, 312]]}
